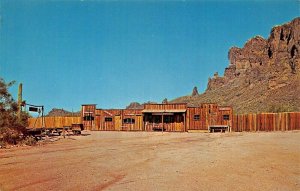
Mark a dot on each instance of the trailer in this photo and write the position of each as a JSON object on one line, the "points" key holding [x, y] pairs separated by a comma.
{"points": [[75, 128]]}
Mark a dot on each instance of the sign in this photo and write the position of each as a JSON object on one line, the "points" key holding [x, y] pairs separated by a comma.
{"points": [[162, 113], [34, 109]]}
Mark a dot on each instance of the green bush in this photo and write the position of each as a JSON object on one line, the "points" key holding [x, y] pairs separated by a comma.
{"points": [[12, 128]]}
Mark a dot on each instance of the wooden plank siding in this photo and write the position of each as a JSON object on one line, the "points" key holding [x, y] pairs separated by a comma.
{"points": [[113, 120], [286, 121], [165, 106], [200, 118], [131, 120], [53, 122], [176, 124], [167, 117], [107, 120], [88, 110], [173, 118]]}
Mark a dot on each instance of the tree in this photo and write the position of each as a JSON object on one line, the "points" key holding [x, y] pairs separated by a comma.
{"points": [[11, 127]]}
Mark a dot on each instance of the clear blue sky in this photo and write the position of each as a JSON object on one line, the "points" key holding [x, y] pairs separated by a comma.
{"points": [[67, 53]]}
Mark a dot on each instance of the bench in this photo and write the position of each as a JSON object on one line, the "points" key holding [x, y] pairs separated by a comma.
{"points": [[218, 128]]}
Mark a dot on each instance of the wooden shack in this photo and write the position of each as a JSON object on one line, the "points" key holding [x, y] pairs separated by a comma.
{"points": [[175, 117], [111, 119], [88, 113], [165, 117], [131, 120], [108, 119], [208, 115]]}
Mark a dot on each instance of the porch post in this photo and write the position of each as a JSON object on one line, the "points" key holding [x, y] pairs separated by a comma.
{"points": [[162, 119], [143, 124], [184, 122]]}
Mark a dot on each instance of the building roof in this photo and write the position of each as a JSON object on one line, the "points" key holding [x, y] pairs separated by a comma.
{"points": [[164, 111]]}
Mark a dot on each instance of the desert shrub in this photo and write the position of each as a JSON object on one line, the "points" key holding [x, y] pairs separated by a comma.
{"points": [[281, 108], [29, 140], [9, 136], [12, 128]]}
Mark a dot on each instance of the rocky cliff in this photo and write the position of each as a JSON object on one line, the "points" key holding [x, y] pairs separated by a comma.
{"points": [[263, 76]]}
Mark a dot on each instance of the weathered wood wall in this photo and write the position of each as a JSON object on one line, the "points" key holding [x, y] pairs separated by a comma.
{"points": [[247, 122], [136, 115], [267, 122], [116, 121], [172, 123], [208, 114], [165, 106], [53, 122], [170, 117], [89, 110], [102, 122]]}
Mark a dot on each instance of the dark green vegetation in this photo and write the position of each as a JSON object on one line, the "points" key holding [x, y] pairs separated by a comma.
{"points": [[12, 127]]}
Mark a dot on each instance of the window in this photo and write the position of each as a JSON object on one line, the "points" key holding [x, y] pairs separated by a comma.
{"points": [[129, 121], [157, 119], [148, 118], [178, 118], [108, 119], [196, 117], [225, 117], [168, 119], [88, 118]]}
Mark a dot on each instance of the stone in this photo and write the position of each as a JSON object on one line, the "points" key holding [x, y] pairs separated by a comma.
{"points": [[195, 91]]}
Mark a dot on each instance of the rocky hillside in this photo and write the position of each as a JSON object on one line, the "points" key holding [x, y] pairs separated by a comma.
{"points": [[136, 105], [62, 113], [263, 76]]}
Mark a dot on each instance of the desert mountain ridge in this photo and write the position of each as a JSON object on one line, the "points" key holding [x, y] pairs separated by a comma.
{"points": [[55, 112], [262, 76]]}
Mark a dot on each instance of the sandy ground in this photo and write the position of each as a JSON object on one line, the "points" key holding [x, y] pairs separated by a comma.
{"points": [[156, 161]]}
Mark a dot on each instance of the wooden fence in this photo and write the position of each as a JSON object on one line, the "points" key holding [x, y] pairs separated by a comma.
{"points": [[267, 122], [53, 121]]}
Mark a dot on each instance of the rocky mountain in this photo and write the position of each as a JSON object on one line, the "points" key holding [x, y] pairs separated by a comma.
{"points": [[62, 113], [262, 76], [136, 105], [195, 91]]}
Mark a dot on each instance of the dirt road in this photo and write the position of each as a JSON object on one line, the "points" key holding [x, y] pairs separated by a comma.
{"points": [[156, 161]]}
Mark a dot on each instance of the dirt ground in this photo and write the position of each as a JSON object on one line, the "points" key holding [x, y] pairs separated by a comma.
{"points": [[156, 161]]}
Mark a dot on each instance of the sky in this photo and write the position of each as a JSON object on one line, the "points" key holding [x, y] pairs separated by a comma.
{"points": [[110, 53]]}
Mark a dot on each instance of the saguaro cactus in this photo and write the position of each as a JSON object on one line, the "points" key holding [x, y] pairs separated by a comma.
{"points": [[20, 100]]}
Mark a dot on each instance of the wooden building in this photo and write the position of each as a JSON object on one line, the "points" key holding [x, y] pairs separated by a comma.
{"points": [[131, 120], [176, 117], [88, 116], [209, 115], [165, 117]]}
